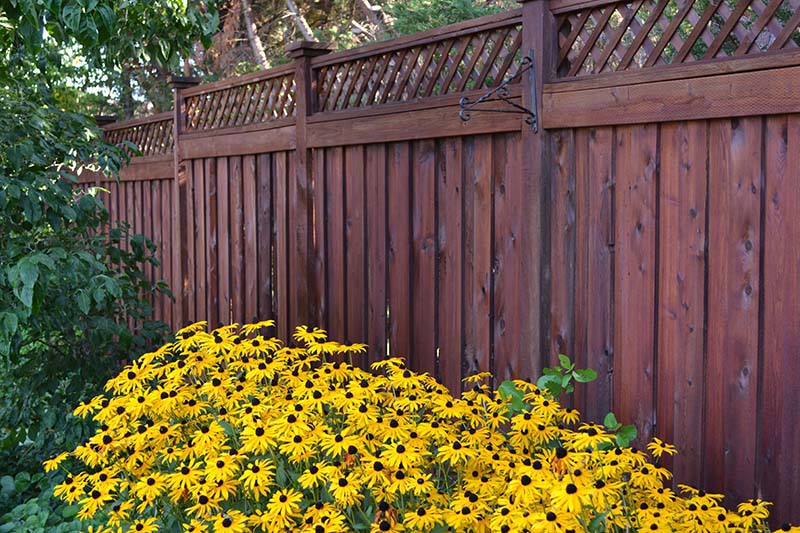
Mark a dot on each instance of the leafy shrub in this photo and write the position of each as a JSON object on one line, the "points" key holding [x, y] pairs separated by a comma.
{"points": [[232, 431]]}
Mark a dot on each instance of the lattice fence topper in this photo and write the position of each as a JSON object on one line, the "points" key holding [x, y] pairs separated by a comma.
{"points": [[152, 138], [646, 33], [476, 61], [249, 103]]}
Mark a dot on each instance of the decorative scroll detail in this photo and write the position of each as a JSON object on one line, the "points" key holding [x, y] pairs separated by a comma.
{"points": [[250, 103], [501, 94], [476, 61], [647, 33], [152, 138]]}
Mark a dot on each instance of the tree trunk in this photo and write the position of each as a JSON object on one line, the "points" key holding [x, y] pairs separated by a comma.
{"points": [[374, 15], [300, 21], [252, 36], [126, 94]]}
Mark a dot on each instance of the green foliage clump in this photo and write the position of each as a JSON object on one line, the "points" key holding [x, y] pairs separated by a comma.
{"points": [[412, 16]]}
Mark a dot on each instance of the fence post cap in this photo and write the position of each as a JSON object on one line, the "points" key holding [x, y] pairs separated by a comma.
{"points": [[104, 120], [308, 49], [182, 82]]}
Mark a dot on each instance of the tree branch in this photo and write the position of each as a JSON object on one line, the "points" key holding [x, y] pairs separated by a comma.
{"points": [[252, 36], [300, 21]]}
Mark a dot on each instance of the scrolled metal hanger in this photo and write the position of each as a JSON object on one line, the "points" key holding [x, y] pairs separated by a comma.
{"points": [[501, 94]]}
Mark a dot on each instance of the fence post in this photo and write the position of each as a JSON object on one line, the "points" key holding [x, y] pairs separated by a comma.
{"points": [[304, 295], [179, 197], [539, 36]]}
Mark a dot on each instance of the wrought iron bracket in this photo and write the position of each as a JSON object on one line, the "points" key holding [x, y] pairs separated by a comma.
{"points": [[501, 94]]}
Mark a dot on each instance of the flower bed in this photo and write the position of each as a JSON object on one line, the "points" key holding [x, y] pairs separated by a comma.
{"points": [[231, 431]]}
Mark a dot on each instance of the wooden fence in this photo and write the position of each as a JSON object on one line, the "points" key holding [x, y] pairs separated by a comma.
{"points": [[648, 229]]}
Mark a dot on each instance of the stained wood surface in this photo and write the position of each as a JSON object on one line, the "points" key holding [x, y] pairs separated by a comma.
{"points": [[734, 175], [635, 276], [681, 290], [763, 92]]}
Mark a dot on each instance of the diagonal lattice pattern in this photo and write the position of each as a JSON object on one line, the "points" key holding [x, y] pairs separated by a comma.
{"points": [[448, 66], [240, 105], [646, 33], [152, 138]]}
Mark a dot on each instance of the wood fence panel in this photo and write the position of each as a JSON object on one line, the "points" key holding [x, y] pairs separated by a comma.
{"points": [[594, 268], [377, 262], [212, 251], [237, 236], [635, 276], [399, 191], [200, 246], [478, 158], [282, 175], [507, 259], [450, 186], [681, 290], [251, 239], [355, 245], [733, 262], [562, 252], [335, 243], [223, 240], [266, 236], [423, 255], [779, 429]]}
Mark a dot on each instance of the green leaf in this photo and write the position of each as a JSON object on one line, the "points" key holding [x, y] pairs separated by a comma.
{"points": [[10, 323], [28, 272], [6, 485], [626, 435], [564, 360], [585, 375], [610, 421], [83, 302], [547, 382]]}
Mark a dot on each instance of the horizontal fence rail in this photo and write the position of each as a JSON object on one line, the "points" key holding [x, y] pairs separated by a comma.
{"points": [[641, 231]]}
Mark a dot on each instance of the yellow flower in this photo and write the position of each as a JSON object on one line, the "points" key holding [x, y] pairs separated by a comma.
{"points": [[231, 522], [52, 463], [145, 525], [657, 448]]}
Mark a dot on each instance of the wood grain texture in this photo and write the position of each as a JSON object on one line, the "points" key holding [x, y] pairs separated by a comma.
{"points": [[250, 197], [335, 243], [450, 184], [212, 242], [423, 267], [377, 261], [355, 244], [201, 266], [635, 277], [266, 236], [399, 190], [739, 94], [507, 260], [779, 439], [236, 236], [562, 255], [319, 288], [223, 241], [681, 290], [281, 221], [733, 293], [478, 185], [594, 269]]}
